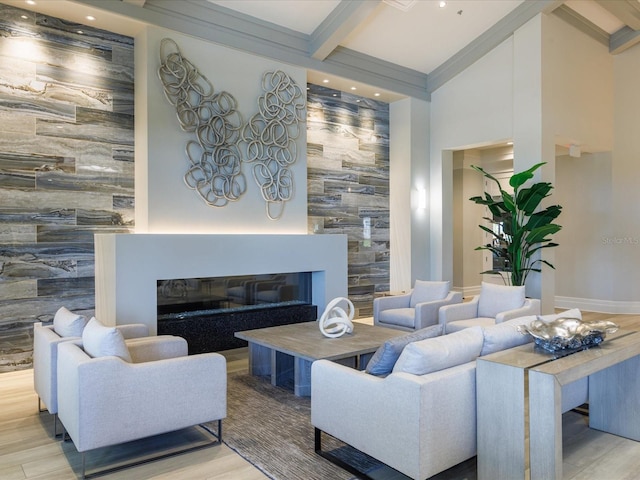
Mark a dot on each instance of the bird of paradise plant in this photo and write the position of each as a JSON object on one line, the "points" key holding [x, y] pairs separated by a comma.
{"points": [[525, 227]]}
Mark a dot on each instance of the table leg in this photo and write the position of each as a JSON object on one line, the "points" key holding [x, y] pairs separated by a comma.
{"points": [[545, 426], [259, 359], [613, 399], [302, 377], [501, 421], [282, 369]]}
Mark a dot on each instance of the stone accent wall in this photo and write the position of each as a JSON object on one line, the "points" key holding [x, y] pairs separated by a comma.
{"points": [[348, 181], [66, 166]]}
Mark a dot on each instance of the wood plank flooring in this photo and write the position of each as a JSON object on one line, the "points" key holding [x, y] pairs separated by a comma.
{"points": [[29, 451]]}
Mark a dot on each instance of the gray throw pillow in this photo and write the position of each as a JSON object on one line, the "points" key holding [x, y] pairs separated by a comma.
{"points": [[387, 354]]}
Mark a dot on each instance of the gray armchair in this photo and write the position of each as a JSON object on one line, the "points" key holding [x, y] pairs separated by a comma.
{"points": [[495, 304], [416, 309], [104, 400], [67, 326]]}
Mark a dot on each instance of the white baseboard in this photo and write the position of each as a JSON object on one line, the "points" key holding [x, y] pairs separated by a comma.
{"points": [[596, 305]]}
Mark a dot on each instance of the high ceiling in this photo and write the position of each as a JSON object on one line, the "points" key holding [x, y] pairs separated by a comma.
{"points": [[397, 47]]}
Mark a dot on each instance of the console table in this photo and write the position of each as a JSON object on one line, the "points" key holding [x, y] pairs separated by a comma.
{"points": [[519, 393]]}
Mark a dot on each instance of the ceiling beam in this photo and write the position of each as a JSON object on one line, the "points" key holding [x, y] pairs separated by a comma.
{"points": [[623, 39], [627, 11], [137, 3], [583, 24], [339, 23]]}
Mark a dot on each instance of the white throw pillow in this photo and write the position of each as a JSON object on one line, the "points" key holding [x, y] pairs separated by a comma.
{"points": [[434, 354], [499, 298], [101, 341], [505, 335], [68, 324], [426, 291]]}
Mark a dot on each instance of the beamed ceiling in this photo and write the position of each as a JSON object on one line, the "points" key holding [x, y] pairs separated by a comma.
{"points": [[397, 47]]}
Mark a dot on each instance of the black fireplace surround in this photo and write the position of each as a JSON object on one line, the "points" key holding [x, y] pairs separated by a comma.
{"points": [[208, 311]]}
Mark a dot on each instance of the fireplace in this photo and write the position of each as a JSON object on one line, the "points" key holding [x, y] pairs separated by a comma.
{"points": [[128, 267], [208, 311]]}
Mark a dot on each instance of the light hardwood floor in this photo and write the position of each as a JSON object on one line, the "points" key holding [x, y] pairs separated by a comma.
{"points": [[28, 450]]}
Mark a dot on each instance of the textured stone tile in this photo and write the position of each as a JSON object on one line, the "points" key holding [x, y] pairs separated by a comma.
{"points": [[64, 287], [82, 166], [37, 216], [65, 234], [18, 290], [13, 234], [88, 183], [54, 199]]}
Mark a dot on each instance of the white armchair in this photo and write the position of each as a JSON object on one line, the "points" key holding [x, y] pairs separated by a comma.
{"points": [[104, 400], [67, 326], [415, 310], [495, 304]]}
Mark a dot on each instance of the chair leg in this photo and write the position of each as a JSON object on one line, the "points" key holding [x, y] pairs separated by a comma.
{"points": [[335, 460]]}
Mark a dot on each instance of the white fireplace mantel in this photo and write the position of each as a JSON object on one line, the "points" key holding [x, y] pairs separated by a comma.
{"points": [[128, 266]]}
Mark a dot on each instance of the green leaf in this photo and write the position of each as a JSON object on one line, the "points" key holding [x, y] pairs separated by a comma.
{"points": [[528, 199], [543, 217], [519, 179]]}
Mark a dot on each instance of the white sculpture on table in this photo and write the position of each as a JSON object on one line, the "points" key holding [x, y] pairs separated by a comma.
{"points": [[335, 321]]}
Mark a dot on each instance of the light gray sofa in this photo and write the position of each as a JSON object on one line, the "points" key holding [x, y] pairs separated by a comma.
{"points": [[417, 423]]}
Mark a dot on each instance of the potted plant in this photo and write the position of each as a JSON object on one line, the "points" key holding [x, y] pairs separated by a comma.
{"points": [[525, 229]]}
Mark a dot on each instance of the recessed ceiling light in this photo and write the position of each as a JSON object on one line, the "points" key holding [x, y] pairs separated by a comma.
{"points": [[353, 88], [24, 17], [30, 2], [326, 80], [442, 4], [91, 18], [376, 94], [80, 32]]}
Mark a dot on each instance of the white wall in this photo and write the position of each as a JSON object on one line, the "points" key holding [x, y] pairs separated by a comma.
{"points": [[408, 173], [551, 83], [473, 109], [164, 204], [624, 237]]}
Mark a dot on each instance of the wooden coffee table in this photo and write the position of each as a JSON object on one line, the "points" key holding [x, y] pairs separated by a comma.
{"points": [[286, 352]]}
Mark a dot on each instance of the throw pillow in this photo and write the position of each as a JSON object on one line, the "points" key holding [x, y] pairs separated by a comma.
{"points": [[426, 291], [68, 324], [505, 335], [499, 298], [101, 341], [384, 359], [435, 354]]}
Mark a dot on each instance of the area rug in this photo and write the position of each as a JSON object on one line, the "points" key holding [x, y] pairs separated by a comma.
{"points": [[271, 428]]}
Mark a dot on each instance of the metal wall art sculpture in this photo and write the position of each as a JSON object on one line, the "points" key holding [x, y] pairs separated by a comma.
{"points": [[567, 334], [271, 136], [214, 170]]}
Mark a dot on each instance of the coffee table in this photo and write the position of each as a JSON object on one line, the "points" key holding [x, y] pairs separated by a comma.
{"points": [[286, 352]]}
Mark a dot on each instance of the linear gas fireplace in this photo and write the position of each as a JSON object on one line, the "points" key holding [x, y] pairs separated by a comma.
{"points": [[140, 278], [208, 311]]}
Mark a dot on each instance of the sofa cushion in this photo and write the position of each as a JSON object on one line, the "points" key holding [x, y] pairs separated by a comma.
{"points": [[403, 317], [384, 359], [426, 291], [434, 354], [101, 341], [68, 324], [499, 298], [506, 335]]}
